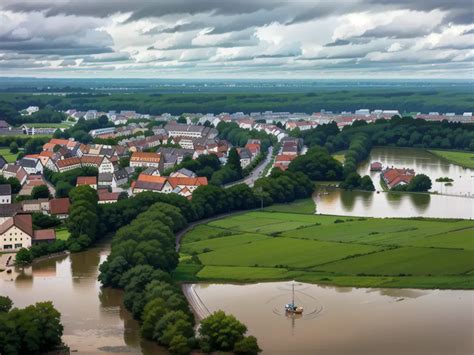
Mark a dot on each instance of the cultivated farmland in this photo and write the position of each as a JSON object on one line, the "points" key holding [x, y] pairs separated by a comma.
{"points": [[279, 245]]}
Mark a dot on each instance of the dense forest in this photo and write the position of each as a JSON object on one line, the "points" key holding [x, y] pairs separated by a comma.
{"points": [[398, 132], [419, 100]]}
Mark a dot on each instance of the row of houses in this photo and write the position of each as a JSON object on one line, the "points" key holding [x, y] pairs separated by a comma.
{"points": [[181, 183], [290, 149]]}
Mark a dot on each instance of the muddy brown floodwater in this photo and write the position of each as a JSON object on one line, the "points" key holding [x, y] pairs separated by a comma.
{"points": [[346, 320], [94, 319]]}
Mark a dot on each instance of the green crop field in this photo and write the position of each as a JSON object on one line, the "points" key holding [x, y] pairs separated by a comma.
{"points": [[305, 206], [465, 159], [274, 244], [9, 157]]}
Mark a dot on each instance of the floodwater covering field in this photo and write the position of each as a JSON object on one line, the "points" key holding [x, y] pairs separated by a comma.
{"points": [[456, 201], [95, 320], [423, 162], [266, 245], [345, 320]]}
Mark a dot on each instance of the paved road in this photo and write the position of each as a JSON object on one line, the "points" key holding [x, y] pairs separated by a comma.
{"points": [[256, 173]]}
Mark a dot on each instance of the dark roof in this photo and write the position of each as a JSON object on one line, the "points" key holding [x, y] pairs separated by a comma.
{"points": [[4, 124], [5, 189], [10, 210], [121, 174], [105, 177], [28, 163], [2, 161], [44, 234]]}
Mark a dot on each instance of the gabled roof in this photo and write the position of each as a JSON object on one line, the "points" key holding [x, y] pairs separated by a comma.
{"points": [[86, 180], [89, 159], [109, 196], [10, 210], [28, 162], [68, 162], [146, 157], [149, 182], [44, 234], [187, 181], [21, 221], [59, 205]]}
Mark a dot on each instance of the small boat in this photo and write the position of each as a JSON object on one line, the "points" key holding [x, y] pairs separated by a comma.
{"points": [[292, 307]]}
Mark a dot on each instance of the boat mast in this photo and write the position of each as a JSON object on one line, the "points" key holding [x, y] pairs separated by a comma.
{"points": [[293, 294]]}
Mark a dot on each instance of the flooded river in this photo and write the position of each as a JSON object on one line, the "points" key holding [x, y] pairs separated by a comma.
{"points": [[423, 162], [346, 320], [456, 201], [94, 319], [391, 204]]}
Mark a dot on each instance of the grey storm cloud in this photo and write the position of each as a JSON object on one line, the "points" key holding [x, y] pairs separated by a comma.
{"points": [[460, 11], [141, 8], [180, 31], [338, 42]]}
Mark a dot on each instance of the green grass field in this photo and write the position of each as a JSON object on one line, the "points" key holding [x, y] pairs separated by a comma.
{"points": [[465, 159], [305, 206], [366, 252], [9, 157], [49, 125], [62, 233]]}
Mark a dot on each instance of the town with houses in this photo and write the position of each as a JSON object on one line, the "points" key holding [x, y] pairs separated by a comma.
{"points": [[151, 152]]}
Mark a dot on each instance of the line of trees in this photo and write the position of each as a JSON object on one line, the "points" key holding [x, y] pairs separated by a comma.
{"points": [[80, 131], [442, 99], [143, 254], [83, 221], [397, 132], [238, 137]]}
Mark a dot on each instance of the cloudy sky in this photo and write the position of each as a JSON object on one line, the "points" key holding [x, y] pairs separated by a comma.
{"points": [[237, 39]]}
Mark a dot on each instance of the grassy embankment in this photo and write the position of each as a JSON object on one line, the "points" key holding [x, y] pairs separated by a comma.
{"points": [[282, 243], [9, 157], [464, 159]]}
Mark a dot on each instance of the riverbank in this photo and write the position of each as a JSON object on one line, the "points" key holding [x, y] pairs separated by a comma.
{"points": [[330, 250]]}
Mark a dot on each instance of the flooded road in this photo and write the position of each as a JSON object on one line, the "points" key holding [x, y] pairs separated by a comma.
{"points": [[346, 320], [94, 319]]}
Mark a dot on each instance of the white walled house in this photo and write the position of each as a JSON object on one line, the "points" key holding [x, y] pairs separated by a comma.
{"points": [[16, 233]]}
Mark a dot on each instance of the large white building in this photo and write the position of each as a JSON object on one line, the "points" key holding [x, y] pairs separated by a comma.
{"points": [[16, 233]]}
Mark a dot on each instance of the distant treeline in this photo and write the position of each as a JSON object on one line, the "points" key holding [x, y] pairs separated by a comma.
{"points": [[398, 132], [416, 100]]}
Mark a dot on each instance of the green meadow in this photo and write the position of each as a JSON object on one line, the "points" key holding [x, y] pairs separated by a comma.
{"points": [[465, 159], [9, 157], [277, 244]]}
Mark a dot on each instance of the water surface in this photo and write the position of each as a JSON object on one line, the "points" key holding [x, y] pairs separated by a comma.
{"points": [[423, 162], [345, 320], [94, 319]]}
